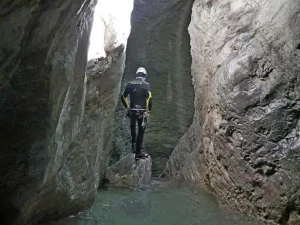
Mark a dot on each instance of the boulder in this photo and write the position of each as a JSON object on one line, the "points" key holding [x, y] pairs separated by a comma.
{"points": [[130, 172]]}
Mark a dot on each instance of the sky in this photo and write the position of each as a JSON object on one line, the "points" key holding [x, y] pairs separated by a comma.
{"points": [[117, 14]]}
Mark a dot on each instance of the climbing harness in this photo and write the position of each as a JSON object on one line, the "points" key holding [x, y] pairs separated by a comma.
{"points": [[140, 113]]}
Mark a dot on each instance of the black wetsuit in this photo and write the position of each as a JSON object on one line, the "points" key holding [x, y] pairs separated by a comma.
{"points": [[140, 98]]}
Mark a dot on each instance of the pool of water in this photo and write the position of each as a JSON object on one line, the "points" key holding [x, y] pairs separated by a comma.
{"points": [[156, 206]]}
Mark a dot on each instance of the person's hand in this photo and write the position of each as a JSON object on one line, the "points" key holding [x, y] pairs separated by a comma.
{"points": [[128, 113], [148, 115]]}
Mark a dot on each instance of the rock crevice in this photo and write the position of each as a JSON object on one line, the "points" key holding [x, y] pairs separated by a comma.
{"points": [[159, 41]]}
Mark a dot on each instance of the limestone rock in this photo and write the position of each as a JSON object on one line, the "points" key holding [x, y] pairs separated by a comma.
{"points": [[244, 142], [294, 218], [55, 122], [43, 48], [130, 172]]}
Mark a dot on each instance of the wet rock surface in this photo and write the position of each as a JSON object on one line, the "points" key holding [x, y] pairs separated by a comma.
{"points": [[56, 127], [244, 142], [42, 89], [159, 41], [129, 172]]}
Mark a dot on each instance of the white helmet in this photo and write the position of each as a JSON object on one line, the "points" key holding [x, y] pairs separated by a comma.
{"points": [[141, 73]]}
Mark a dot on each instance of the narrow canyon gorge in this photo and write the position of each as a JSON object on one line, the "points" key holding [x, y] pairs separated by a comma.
{"points": [[226, 101]]}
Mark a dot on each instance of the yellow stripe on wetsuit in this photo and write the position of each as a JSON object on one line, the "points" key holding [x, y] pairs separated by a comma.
{"points": [[147, 103], [125, 100]]}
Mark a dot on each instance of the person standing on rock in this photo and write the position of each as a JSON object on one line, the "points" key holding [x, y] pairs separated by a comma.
{"points": [[139, 109]]}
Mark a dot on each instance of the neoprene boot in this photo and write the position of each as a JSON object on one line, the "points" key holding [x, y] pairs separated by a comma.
{"points": [[141, 156]]}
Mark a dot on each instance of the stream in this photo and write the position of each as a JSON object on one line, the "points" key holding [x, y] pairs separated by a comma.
{"points": [[156, 206]]}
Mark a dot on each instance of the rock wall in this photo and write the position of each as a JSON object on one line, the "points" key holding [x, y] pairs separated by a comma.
{"points": [[244, 141], [159, 41], [43, 57], [55, 122]]}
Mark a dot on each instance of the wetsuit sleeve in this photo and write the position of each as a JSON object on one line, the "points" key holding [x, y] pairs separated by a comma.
{"points": [[124, 96], [149, 101]]}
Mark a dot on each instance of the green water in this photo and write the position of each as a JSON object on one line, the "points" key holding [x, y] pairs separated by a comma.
{"points": [[157, 206]]}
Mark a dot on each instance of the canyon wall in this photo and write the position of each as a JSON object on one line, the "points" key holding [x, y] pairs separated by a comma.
{"points": [[244, 141], [228, 89], [55, 119]]}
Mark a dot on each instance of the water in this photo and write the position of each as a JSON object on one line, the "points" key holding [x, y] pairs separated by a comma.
{"points": [[157, 206]]}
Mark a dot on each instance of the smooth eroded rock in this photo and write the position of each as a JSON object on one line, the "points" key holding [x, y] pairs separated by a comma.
{"points": [[244, 142], [43, 48], [130, 172], [56, 122]]}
